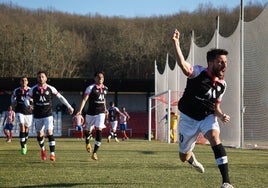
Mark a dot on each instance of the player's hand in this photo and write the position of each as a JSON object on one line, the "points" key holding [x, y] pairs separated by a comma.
{"points": [[176, 35], [225, 118], [71, 110]]}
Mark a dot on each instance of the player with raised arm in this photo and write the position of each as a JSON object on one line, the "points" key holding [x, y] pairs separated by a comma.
{"points": [[200, 107]]}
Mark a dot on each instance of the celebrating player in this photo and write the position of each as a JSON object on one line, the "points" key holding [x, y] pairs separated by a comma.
{"points": [[200, 107]]}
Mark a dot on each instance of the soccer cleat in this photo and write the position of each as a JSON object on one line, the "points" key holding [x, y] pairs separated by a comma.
{"points": [[226, 185], [52, 157], [88, 148], [198, 166], [23, 151], [43, 155], [8, 140], [94, 156], [116, 140]]}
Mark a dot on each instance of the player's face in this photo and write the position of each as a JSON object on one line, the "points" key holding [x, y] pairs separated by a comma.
{"points": [[24, 82], [41, 78], [99, 78], [219, 66]]}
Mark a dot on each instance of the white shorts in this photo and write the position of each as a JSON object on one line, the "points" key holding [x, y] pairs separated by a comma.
{"points": [[95, 121], [114, 124], [189, 130], [43, 124], [26, 120]]}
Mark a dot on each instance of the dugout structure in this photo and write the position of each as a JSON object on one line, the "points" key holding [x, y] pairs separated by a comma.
{"points": [[246, 97]]}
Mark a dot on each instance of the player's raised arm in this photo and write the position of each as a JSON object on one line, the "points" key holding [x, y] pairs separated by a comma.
{"points": [[184, 65]]}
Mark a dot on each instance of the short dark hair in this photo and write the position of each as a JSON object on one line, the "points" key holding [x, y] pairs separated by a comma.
{"points": [[98, 72], [214, 52], [41, 72]]}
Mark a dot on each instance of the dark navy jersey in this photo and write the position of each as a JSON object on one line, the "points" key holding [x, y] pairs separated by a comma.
{"points": [[19, 95], [42, 100], [96, 99], [113, 113], [201, 94]]}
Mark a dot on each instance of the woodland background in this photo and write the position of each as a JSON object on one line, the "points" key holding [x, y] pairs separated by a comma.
{"points": [[75, 46]]}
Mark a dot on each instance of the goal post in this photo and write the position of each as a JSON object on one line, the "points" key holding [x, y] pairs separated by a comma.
{"points": [[159, 111]]}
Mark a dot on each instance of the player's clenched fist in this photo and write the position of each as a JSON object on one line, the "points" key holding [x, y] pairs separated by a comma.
{"points": [[176, 35]]}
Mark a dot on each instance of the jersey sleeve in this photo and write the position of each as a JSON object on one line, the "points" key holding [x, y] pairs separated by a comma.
{"points": [[196, 70], [224, 89], [88, 90]]}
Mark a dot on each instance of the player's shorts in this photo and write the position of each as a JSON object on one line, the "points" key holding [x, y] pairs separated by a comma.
{"points": [[114, 124], [96, 120], [123, 126], [78, 128], [9, 126], [27, 120], [190, 129], [43, 124]]}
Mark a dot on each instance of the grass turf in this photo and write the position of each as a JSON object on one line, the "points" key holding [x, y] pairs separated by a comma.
{"points": [[132, 163]]}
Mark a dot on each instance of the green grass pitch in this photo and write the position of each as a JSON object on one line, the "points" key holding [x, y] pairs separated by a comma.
{"points": [[132, 163]]}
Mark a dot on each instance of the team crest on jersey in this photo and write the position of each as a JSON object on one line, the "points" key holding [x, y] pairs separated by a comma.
{"points": [[47, 93]]}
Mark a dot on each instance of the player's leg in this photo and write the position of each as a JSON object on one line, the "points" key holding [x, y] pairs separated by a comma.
{"points": [[20, 121], [39, 127], [6, 133], [100, 120], [115, 130], [11, 132], [188, 134], [89, 125], [213, 136], [27, 123], [22, 139], [48, 121]]}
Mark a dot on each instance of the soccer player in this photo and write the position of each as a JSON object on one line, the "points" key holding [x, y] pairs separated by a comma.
{"points": [[23, 114], [123, 123], [9, 119], [173, 126], [41, 94], [200, 107], [113, 117], [95, 94]]}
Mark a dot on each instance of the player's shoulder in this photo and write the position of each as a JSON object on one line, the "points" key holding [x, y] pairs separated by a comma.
{"points": [[196, 70], [16, 89], [34, 87]]}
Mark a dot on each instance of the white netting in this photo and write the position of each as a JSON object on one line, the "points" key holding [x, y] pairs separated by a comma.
{"points": [[253, 129], [159, 114]]}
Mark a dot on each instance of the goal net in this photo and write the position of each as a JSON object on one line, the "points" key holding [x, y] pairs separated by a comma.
{"points": [[160, 106]]}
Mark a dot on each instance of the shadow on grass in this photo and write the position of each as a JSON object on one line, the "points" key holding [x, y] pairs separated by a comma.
{"points": [[70, 185], [148, 152], [56, 185]]}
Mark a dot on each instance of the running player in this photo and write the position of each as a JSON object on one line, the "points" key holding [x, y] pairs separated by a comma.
{"points": [[113, 117], [23, 114], [42, 94], [200, 107], [95, 94]]}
